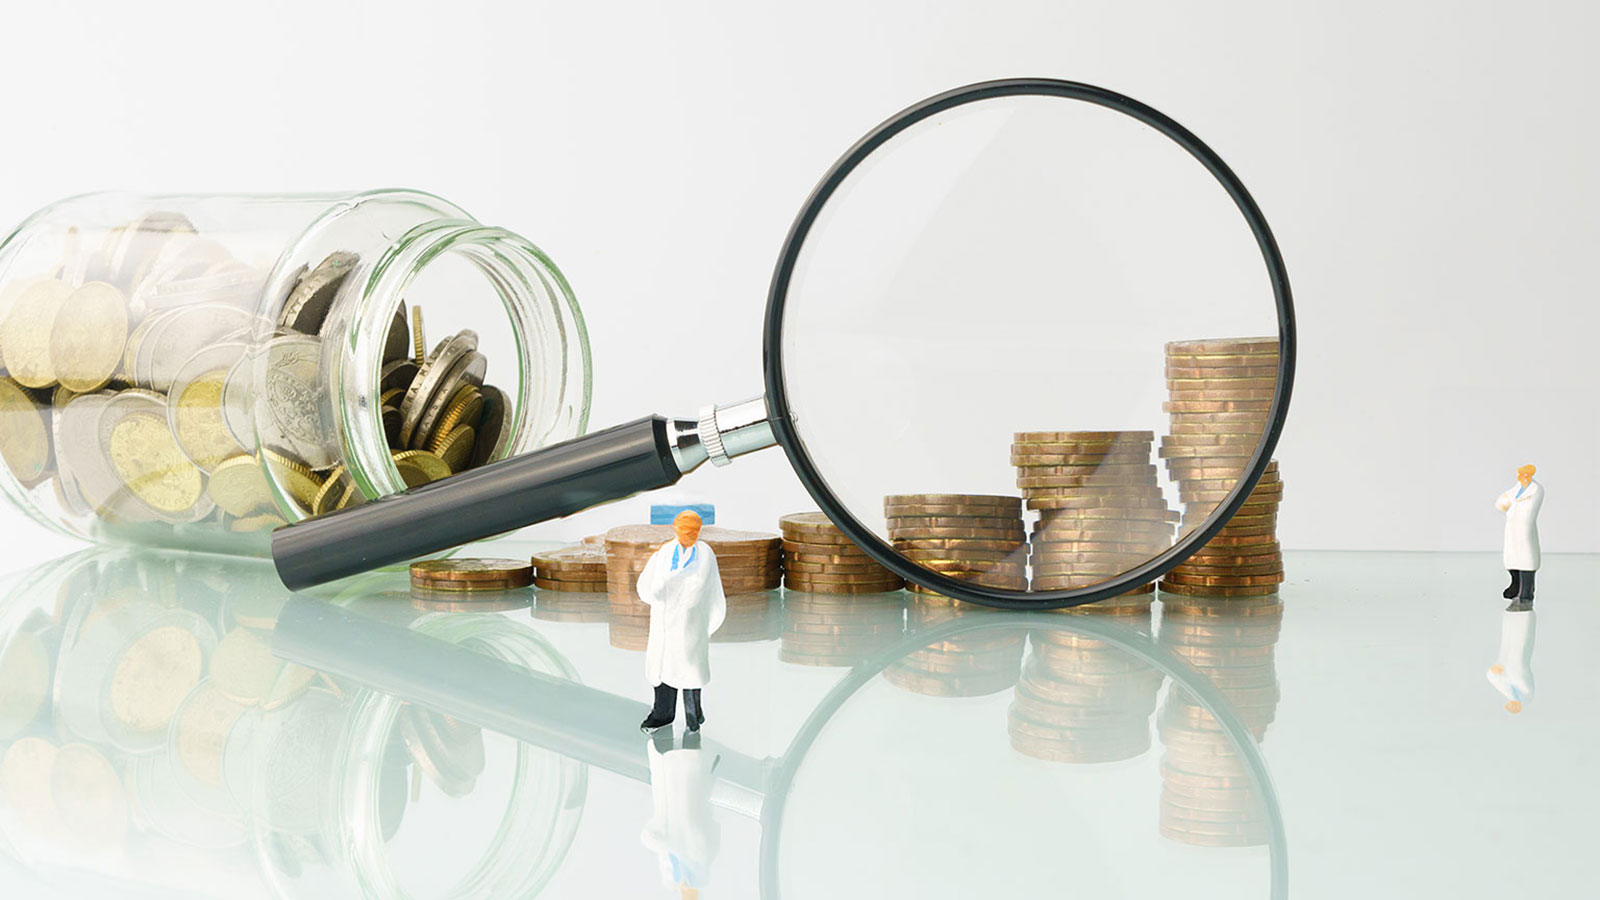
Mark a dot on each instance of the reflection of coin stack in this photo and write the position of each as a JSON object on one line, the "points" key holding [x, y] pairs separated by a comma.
{"points": [[839, 629], [1207, 797], [968, 537], [1081, 700], [750, 564], [959, 665], [819, 559], [580, 567], [1101, 511], [1220, 399]]}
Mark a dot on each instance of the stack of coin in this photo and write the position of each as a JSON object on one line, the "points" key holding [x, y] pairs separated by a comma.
{"points": [[1081, 700], [1220, 398], [580, 567], [139, 386], [968, 537], [1207, 796], [1101, 510], [819, 559], [471, 575], [960, 665], [839, 630], [749, 562]]}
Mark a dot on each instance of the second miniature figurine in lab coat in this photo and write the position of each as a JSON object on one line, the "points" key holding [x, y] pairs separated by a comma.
{"points": [[1521, 505], [1512, 673], [683, 588]]}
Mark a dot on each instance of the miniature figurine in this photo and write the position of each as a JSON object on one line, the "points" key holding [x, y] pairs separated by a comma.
{"points": [[1521, 505], [683, 830], [1512, 675], [683, 588]]}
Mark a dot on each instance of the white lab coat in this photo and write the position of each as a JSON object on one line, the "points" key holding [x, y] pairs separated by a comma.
{"points": [[1522, 526], [682, 831], [686, 606], [1515, 678]]}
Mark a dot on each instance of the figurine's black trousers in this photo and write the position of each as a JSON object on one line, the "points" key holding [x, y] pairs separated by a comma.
{"points": [[1522, 583], [666, 705]]}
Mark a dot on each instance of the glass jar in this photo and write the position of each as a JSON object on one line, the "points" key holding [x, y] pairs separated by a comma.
{"points": [[193, 371]]}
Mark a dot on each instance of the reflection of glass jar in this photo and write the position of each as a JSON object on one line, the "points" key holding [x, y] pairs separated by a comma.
{"points": [[194, 370]]}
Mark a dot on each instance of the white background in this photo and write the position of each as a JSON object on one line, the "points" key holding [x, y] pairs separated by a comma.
{"points": [[1427, 167]]}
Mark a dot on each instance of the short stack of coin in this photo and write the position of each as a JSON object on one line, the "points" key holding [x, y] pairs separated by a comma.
{"points": [[968, 537], [1081, 700], [463, 575], [839, 630], [578, 568], [959, 665], [1208, 797], [819, 559], [1220, 399], [1101, 510]]}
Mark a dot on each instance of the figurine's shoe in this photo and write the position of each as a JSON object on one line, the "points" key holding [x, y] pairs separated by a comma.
{"points": [[692, 725], [1509, 593], [700, 718], [651, 723]]}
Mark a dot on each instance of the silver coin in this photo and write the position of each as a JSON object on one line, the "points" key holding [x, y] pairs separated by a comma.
{"points": [[79, 450], [397, 374], [130, 353], [308, 303], [494, 429], [179, 335], [397, 346], [432, 374], [238, 405], [468, 370], [67, 490], [230, 284], [291, 406]]}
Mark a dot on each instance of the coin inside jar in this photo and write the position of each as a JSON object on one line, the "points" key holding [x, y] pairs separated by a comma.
{"points": [[88, 335]]}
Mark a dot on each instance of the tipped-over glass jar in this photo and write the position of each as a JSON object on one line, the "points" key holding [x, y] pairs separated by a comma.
{"points": [[193, 371]]}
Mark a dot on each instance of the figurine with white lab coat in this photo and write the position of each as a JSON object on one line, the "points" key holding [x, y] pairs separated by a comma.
{"points": [[1512, 673], [1521, 504], [683, 588], [683, 830]]}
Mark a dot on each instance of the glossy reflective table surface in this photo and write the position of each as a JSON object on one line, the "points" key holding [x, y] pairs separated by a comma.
{"points": [[182, 726]]}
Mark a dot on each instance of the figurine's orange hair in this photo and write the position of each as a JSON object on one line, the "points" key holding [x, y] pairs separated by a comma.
{"points": [[1527, 470]]}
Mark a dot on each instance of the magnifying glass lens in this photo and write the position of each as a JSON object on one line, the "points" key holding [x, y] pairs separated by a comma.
{"points": [[1029, 342]]}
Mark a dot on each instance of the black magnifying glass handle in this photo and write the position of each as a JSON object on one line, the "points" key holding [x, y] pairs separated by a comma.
{"points": [[642, 455]]}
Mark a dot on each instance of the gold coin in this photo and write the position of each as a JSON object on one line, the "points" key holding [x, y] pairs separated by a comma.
{"points": [[238, 486], [332, 489], [1251, 590], [1050, 448], [880, 576], [801, 567], [1226, 379], [1088, 437], [961, 500], [198, 423], [417, 467], [837, 553], [899, 524], [456, 447], [1269, 568], [1177, 577], [582, 555], [25, 332], [88, 335], [1085, 481], [1255, 344], [839, 588], [1081, 460], [26, 772], [1216, 405], [1209, 394], [807, 522], [89, 795], [908, 546], [419, 343], [294, 477], [152, 676], [152, 465], [1268, 369], [1014, 532], [244, 670], [202, 729], [465, 408], [24, 435]]}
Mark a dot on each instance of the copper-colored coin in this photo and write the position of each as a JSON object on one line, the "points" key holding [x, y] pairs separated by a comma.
{"points": [[1079, 503], [1179, 605], [1100, 460], [473, 571], [1220, 590], [1215, 405], [1100, 530], [575, 556], [1092, 514], [1141, 467], [1091, 436], [800, 566], [424, 585], [1126, 449], [1084, 481], [1213, 439], [1241, 543], [903, 524], [807, 522], [841, 588], [549, 584], [824, 552], [1219, 393], [1269, 370], [1228, 378], [962, 500], [908, 546], [1226, 556], [1267, 568], [1012, 533], [1185, 474], [1177, 577], [1252, 344]]}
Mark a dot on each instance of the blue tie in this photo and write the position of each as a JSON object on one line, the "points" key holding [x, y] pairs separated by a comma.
{"points": [[675, 549]]}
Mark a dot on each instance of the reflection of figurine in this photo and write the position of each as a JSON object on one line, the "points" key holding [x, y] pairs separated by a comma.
{"points": [[1521, 505], [1512, 675], [683, 588], [682, 830]]}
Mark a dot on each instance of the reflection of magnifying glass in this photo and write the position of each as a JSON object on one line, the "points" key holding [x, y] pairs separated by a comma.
{"points": [[1010, 257], [595, 726]]}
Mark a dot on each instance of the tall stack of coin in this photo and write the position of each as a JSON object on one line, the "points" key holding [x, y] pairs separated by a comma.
{"points": [[749, 562], [837, 629], [1101, 510], [1220, 397], [141, 384], [1081, 700], [1207, 796], [968, 537], [819, 559], [578, 568]]}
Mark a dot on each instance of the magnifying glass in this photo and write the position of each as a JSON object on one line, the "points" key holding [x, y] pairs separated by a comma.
{"points": [[980, 322]]}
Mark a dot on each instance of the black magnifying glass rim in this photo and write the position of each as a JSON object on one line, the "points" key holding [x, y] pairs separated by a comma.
{"points": [[1116, 634], [772, 344]]}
